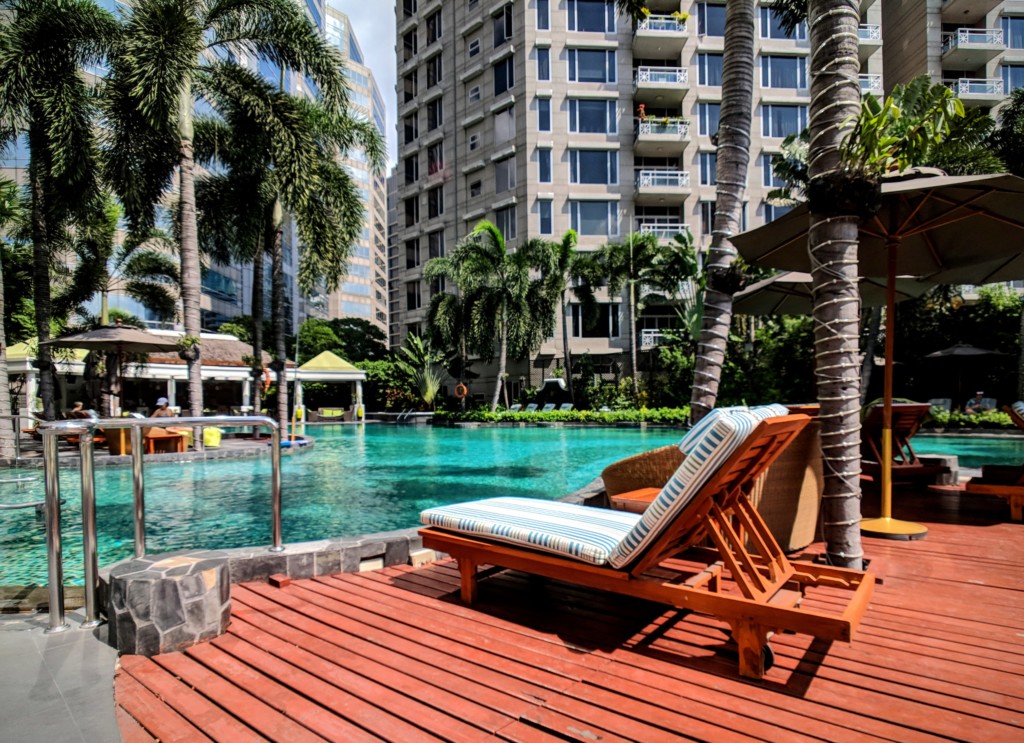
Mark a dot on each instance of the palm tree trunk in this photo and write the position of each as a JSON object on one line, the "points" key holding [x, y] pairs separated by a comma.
{"points": [[632, 340], [257, 327], [8, 429], [502, 357], [731, 179], [190, 272], [275, 236], [565, 348], [835, 101], [41, 278]]}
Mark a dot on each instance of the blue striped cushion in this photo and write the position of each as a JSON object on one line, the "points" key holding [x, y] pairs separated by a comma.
{"points": [[584, 533], [763, 412], [1018, 408], [700, 427], [707, 454]]}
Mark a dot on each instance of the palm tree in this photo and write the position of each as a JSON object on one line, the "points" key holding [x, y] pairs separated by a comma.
{"points": [[423, 366], [44, 45], [281, 153], [166, 54], [505, 303], [450, 323], [11, 210]]}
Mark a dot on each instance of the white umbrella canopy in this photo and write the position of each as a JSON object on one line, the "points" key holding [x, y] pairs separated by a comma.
{"points": [[946, 229], [791, 293]]}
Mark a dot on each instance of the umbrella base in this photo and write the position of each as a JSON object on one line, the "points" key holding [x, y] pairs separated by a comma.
{"points": [[889, 528]]}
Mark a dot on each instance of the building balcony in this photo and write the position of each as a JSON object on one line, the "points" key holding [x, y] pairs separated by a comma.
{"points": [[661, 186], [661, 86], [971, 48], [661, 137], [977, 91], [967, 11], [871, 84], [651, 339], [665, 231], [659, 37], [870, 35]]}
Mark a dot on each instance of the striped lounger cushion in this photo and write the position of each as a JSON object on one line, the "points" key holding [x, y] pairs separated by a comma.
{"points": [[581, 532], [707, 454], [1018, 408], [698, 429]]}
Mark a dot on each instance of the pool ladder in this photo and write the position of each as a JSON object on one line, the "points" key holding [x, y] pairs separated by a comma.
{"points": [[85, 430]]}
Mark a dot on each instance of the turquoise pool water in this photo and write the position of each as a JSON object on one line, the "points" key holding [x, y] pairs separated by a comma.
{"points": [[973, 451], [354, 481]]}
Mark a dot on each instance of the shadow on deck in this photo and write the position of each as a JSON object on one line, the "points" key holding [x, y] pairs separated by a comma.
{"points": [[393, 655]]}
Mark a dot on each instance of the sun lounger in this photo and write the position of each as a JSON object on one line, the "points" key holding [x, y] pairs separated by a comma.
{"points": [[944, 404], [515, 408], [565, 406], [1004, 481], [548, 408], [330, 414], [531, 408], [734, 569], [906, 421]]}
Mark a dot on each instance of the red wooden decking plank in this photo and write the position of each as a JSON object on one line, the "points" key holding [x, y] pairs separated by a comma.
{"points": [[131, 731], [523, 732], [255, 713], [159, 720], [284, 692], [374, 704], [566, 727], [191, 705], [499, 673], [425, 681]]}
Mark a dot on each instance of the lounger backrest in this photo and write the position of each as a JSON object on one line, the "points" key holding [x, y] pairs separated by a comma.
{"points": [[565, 406], [1018, 408], [548, 408], [531, 407], [698, 429], [715, 444]]}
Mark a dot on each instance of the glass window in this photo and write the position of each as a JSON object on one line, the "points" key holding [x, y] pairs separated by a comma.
{"points": [[544, 209], [476, 188], [504, 75], [544, 114], [409, 86], [773, 212], [435, 244], [594, 166], [435, 202], [544, 165], [781, 121], [783, 72], [768, 177], [433, 27], [543, 63], [412, 211], [474, 141], [409, 46], [473, 94], [474, 48], [709, 69], [592, 117], [503, 25], [595, 217], [602, 322], [505, 125], [708, 114], [505, 221], [1013, 31], [505, 174], [435, 158], [771, 26], [412, 295], [543, 15], [412, 253], [434, 71], [412, 170], [435, 114], [409, 7], [1013, 77], [595, 16], [708, 164], [710, 19], [592, 66], [707, 217]]}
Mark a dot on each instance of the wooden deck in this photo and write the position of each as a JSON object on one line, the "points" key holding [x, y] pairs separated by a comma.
{"points": [[392, 655]]}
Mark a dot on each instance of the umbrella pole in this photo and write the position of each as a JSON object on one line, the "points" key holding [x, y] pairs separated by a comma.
{"points": [[886, 526]]}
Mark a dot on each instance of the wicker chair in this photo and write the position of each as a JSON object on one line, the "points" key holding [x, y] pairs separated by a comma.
{"points": [[787, 496]]}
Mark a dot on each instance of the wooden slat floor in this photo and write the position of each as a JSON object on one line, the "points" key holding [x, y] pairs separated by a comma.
{"points": [[392, 655]]}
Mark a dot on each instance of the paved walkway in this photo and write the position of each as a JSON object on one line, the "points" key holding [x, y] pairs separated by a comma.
{"points": [[55, 687]]}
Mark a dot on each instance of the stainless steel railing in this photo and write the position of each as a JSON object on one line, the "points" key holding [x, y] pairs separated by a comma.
{"points": [[85, 429], [16, 425]]}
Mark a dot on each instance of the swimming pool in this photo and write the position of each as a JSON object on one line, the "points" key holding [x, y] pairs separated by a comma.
{"points": [[973, 451], [356, 480]]}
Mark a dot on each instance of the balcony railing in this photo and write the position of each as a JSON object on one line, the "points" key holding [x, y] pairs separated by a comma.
{"points": [[976, 86], [662, 178], [671, 126], [967, 36], [869, 32], [664, 23], [664, 231], [871, 83], [650, 338], [661, 75]]}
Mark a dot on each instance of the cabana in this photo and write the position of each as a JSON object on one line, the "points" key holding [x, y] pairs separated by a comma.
{"points": [[329, 367]]}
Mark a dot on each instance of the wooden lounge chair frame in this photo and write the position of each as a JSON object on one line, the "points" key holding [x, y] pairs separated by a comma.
{"points": [[906, 421], [1001, 480], [766, 588]]}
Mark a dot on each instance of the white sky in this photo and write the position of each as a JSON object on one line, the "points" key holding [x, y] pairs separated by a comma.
{"points": [[374, 24]]}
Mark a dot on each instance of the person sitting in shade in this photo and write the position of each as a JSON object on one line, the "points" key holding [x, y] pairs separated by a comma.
{"points": [[78, 411], [976, 404], [162, 410]]}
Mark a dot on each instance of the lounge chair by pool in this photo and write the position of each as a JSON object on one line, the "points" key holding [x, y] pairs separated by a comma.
{"points": [[1004, 481], [906, 421], [565, 406], [531, 408], [515, 408], [548, 408], [704, 502]]}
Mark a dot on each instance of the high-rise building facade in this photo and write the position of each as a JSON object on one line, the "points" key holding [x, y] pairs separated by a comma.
{"points": [[364, 291], [546, 116]]}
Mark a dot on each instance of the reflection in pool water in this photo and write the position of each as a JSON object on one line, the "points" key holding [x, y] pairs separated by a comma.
{"points": [[354, 481]]}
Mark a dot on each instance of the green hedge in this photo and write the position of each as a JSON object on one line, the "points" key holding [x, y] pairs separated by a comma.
{"points": [[992, 419], [663, 416]]}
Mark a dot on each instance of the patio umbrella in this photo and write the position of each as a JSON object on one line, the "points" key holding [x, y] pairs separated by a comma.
{"points": [[948, 229], [790, 293], [115, 339], [957, 353]]}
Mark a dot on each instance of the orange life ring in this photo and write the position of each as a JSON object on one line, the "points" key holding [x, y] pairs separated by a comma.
{"points": [[266, 379], [460, 390]]}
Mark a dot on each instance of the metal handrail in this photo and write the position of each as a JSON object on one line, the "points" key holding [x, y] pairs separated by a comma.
{"points": [[85, 429], [17, 430]]}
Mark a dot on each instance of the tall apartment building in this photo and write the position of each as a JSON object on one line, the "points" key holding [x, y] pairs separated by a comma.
{"points": [[544, 116], [364, 292]]}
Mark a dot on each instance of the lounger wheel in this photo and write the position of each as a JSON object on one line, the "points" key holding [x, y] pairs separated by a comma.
{"points": [[769, 657]]}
